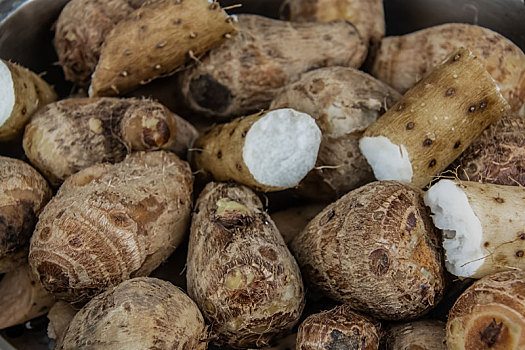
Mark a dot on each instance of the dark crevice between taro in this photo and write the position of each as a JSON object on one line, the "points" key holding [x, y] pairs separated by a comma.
{"points": [[209, 93]]}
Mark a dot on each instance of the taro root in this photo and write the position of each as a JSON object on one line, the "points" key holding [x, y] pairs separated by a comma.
{"points": [[22, 94], [483, 226], [338, 328], [490, 315], [60, 316], [344, 102], [155, 40], [23, 194], [268, 151], [109, 223], [375, 249], [244, 74], [80, 31], [497, 155], [142, 313], [22, 297], [366, 15], [73, 134], [417, 335], [434, 122], [402, 61], [290, 222], [240, 272]]}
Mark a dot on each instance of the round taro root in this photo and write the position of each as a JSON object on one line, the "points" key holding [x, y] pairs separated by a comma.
{"points": [[81, 30], [497, 156], [109, 223], [339, 328], [23, 193], [376, 250], [76, 133], [240, 271], [142, 313], [344, 102], [244, 74], [402, 61], [417, 335], [490, 314]]}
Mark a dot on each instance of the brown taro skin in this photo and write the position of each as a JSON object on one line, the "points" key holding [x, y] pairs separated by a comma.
{"points": [[76, 133], [402, 61], [344, 102], [23, 194], [338, 328], [243, 75], [417, 335], [142, 313], [81, 30], [366, 15], [156, 41], [112, 222], [497, 156], [489, 315], [376, 250], [239, 271]]}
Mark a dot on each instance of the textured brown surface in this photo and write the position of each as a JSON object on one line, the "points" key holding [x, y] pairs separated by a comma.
{"points": [[343, 101], [155, 40], [73, 134], [366, 15], [142, 313], [22, 297], [490, 314], [240, 271], [23, 193], [31, 94], [438, 118], [417, 335], [403, 60], [497, 156], [109, 223], [81, 30], [338, 328], [244, 74], [376, 250]]}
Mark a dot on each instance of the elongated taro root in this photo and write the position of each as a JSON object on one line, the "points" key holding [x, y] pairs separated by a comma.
{"points": [[240, 272], [80, 31], [343, 101], [483, 226], [22, 297], [497, 156], [338, 328], [155, 40], [403, 60], [268, 151], [73, 134], [366, 15], [109, 223], [434, 122], [60, 316], [23, 193], [290, 222], [375, 249], [417, 335], [490, 314], [244, 74], [23, 93], [142, 313]]}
